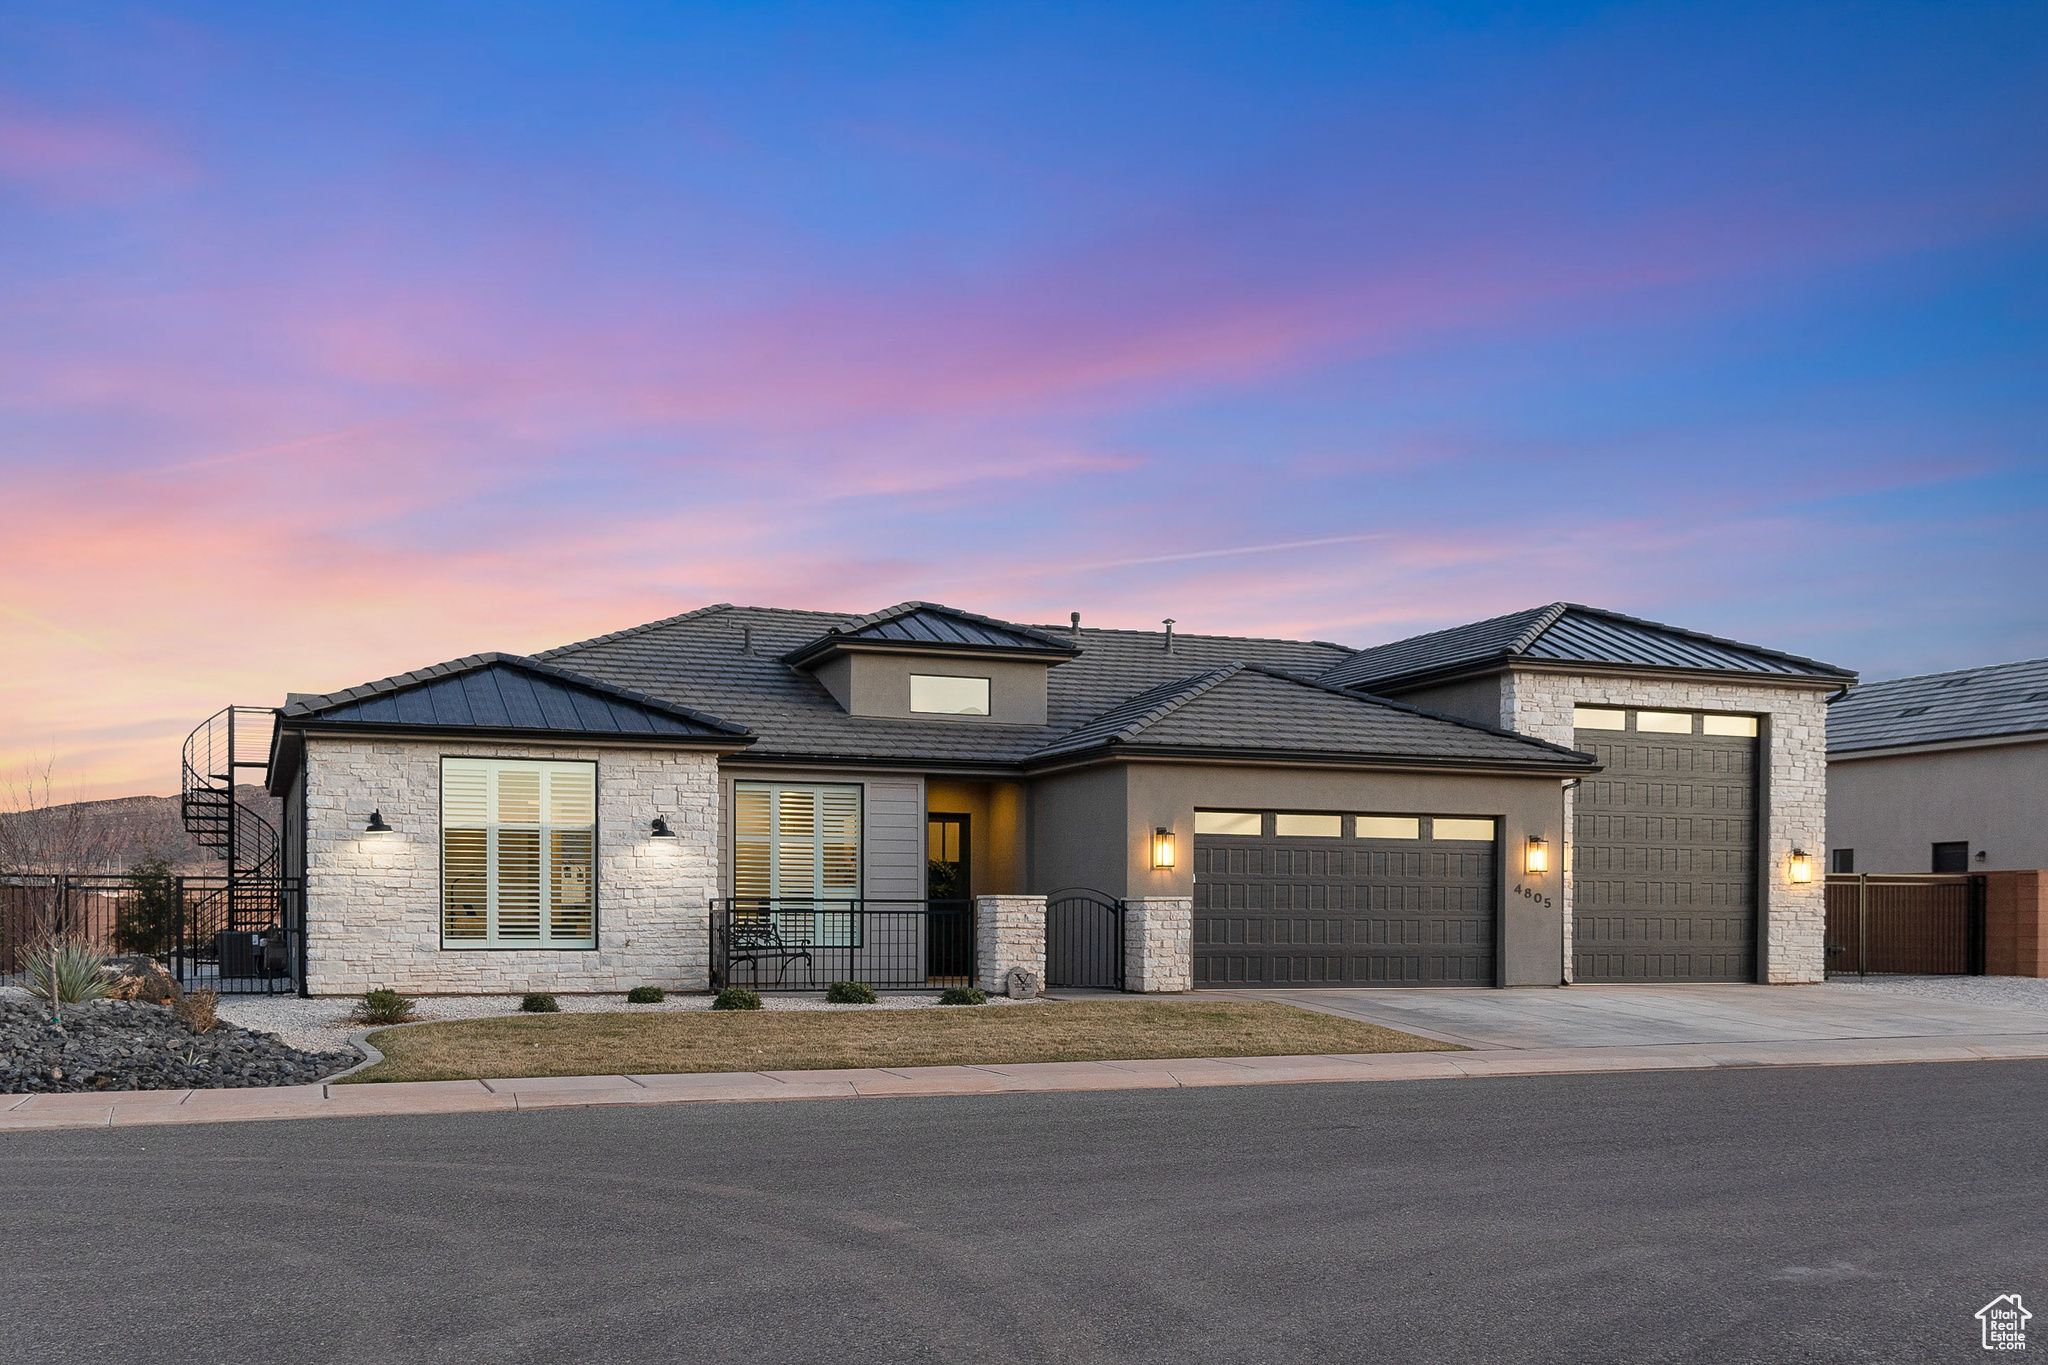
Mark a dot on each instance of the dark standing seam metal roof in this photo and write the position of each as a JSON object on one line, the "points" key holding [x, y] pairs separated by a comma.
{"points": [[1970, 703], [1566, 632], [507, 692], [929, 623]]}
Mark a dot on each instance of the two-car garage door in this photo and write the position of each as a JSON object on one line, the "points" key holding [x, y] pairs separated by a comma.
{"points": [[1319, 899]]}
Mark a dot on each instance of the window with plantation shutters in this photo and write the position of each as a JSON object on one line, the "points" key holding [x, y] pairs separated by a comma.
{"points": [[796, 857], [518, 854]]}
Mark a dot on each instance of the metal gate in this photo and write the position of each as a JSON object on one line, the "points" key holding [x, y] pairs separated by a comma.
{"points": [[1084, 939], [1905, 924]]}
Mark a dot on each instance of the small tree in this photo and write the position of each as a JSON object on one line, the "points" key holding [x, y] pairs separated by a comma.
{"points": [[148, 918]]}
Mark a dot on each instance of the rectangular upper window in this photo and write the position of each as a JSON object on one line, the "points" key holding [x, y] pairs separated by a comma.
{"points": [[518, 854], [1390, 827], [1309, 826], [1728, 725], [796, 857], [1448, 827], [1228, 822], [1664, 722], [1841, 860], [1598, 718], [931, 694]]}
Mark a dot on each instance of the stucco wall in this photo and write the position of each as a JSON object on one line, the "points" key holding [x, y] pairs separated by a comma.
{"points": [[373, 905], [879, 685], [1893, 811], [1792, 744]]}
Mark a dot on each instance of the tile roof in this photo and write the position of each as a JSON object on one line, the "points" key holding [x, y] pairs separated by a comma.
{"points": [[1570, 633], [1969, 703], [508, 692], [728, 661], [1251, 707]]}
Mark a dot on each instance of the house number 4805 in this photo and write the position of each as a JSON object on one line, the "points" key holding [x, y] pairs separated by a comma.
{"points": [[1530, 893]]}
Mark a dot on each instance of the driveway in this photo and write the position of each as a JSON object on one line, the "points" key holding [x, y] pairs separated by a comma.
{"points": [[1663, 1016]]}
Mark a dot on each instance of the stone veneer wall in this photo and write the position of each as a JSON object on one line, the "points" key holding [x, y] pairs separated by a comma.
{"points": [[373, 905], [1009, 932], [1793, 748], [1159, 944]]}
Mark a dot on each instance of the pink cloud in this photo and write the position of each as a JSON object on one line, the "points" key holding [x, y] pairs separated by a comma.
{"points": [[74, 160]]}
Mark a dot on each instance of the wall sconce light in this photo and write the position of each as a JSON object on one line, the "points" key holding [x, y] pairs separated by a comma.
{"points": [[1802, 866], [377, 829], [1162, 848], [661, 829], [1537, 858]]}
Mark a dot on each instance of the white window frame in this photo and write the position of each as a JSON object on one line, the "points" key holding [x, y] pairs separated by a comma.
{"points": [[831, 924], [545, 828]]}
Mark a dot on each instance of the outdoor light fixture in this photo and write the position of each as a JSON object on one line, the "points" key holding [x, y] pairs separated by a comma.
{"points": [[1537, 859], [661, 829], [377, 829], [1802, 866], [1162, 847]]}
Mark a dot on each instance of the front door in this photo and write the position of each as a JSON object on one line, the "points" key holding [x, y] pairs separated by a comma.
{"points": [[949, 892]]}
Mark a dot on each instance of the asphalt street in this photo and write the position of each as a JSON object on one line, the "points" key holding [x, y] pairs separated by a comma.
{"points": [[1819, 1214]]}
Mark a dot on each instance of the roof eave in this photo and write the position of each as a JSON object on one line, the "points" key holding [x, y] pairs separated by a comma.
{"points": [[1470, 670], [1936, 746], [828, 647], [1113, 751], [393, 729]]}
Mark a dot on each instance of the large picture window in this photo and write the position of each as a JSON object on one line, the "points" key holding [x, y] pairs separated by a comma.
{"points": [[796, 855], [518, 854]]}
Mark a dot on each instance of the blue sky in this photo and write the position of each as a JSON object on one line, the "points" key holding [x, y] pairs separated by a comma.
{"points": [[392, 333]]}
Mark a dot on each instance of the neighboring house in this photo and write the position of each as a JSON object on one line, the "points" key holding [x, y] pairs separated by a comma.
{"points": [[1710, 804], [571, 821], [1947, 772]]}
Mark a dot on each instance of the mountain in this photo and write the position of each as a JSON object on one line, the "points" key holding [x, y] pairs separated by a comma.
{"points": [[113, 835]]}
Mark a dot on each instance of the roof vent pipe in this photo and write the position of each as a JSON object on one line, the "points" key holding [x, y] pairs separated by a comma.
{"points": [[1075, 628], [746, 639], [1168, 623]]}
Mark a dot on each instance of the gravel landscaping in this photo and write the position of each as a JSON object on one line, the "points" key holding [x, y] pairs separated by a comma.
{"points": [[2001, 992], [132, 1045], [324, 1023]]}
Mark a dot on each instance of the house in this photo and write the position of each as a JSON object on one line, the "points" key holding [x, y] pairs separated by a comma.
{"points": [[1945, 772], [624, 810]]}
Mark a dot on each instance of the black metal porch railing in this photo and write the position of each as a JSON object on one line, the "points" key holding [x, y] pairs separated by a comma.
{"points": [[230, 935], [795, 943]]}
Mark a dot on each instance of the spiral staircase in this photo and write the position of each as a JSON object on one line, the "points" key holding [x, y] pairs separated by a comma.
{"points": [[225, 923]]}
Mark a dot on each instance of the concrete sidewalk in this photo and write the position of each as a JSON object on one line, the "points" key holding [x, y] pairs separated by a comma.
{"points": [[129, 1108]]}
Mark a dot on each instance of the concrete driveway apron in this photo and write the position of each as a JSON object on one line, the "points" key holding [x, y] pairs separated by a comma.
{"points": [[1658, 1016]]}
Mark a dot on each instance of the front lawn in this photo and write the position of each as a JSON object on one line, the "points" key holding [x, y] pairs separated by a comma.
{"points": [[662, 1044]]}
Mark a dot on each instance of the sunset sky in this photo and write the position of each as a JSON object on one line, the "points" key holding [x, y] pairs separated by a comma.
{"points": [[340, 340]]}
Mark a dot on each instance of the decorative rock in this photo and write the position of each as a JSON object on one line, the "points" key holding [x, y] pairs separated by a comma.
{"points": [[135, 1045], [140, 978], [1020, 984]]}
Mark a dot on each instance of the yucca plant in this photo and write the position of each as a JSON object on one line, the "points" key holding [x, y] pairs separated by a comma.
{"points": [[65, 971]]}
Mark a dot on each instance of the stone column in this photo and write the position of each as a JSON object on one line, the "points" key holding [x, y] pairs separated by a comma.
{"points": [[1159, 944], [1009, 931]]}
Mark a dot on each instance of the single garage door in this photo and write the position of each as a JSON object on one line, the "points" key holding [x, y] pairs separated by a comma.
{"points": [[1315, 899], [1664, 848]]}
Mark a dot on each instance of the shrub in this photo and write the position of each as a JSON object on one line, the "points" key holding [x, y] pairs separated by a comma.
{"points": [[384, 1007], [962, 995], [147, 919], [850, 993], [645, 995], [197, 1010], [66, 971], [736, 998], [539, 1002]]}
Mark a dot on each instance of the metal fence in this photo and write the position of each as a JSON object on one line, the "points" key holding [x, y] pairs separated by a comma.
{"points": [[805, 944], [235, 936], [1084, 940], [1927, 925]]}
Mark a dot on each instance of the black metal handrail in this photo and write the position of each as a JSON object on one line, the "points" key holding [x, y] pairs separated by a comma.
{"points": [[216, 933], [805, 943], [216, 819]]}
